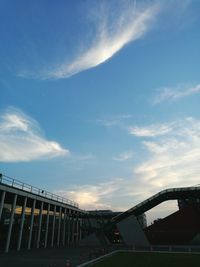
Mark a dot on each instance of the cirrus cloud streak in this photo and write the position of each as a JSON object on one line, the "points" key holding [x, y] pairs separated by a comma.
{"points": [[174, 93], [150, 131], [111, 35]]}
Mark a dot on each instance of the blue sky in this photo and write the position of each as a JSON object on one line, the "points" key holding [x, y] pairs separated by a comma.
{"points": [[99, 100]]}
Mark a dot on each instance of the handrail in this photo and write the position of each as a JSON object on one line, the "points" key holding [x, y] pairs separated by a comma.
{"points": [[163, 192], [4, 179], [153, 198]]}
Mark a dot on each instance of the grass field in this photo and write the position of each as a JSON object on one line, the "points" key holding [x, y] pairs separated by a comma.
{"points": [[148, 259]]}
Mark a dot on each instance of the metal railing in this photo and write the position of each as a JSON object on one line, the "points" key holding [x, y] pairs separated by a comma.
{"points": [[4, 179], [156, 197]]}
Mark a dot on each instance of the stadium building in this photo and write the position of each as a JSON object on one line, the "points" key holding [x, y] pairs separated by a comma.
{"points": [[34, 218]]}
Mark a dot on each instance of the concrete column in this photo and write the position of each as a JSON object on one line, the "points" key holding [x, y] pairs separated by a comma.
{"points": [[77, 227], [53, 228], [73, 226], [47, 227], [22, 224], [132, 232], [64, 227], [40, 225], [11, 223], [59, 221], [31, 224], [69, 227], [80, 229], [2, 202]]}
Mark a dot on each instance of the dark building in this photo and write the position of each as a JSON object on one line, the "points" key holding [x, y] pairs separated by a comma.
{"points": [[179, 228], [34, 218]]}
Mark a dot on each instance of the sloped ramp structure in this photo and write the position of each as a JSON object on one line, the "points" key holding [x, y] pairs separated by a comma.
{"points": [[126, 223], [164, 195]]}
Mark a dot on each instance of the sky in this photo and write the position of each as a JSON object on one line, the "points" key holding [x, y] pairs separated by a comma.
{"points": [[99, 100]]}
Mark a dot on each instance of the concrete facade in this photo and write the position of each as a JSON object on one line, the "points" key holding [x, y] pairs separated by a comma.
{"points": [[131, 232], [31, 220]]}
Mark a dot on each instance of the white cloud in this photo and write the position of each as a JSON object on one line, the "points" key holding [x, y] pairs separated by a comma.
{"points": [[96, 196], [151, 131], [21, 140], [174, 158], [112, 34], [124, 156], [175, 93]]}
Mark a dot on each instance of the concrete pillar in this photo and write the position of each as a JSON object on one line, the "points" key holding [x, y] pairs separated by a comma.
{"points": [[47, 227], [11, 223], [64, 227], [31, 224], [80, 229], [59, 221], [77, 227], [53, 228], [40, 225], [2, 202], [68, 227], [132, 232], [22, 224], [73, 226]]}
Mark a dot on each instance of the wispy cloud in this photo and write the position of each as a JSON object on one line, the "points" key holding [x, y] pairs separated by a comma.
{"points": [[96, 196], [175, 93], [124, 156], [174, 158], [80, 161], [21, 139], [114, 120], [151, 130], [171, 159], [111, 35]]}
